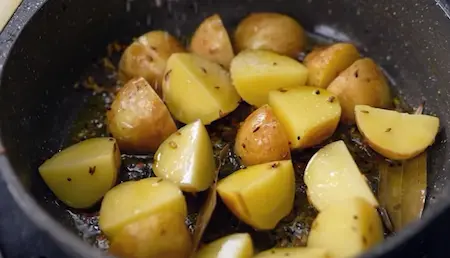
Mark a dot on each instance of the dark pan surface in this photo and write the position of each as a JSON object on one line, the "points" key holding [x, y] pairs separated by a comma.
{"points": [[39, 103]]}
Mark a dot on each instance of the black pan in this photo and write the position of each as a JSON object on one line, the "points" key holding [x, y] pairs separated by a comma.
{"points": [[44, 51]]}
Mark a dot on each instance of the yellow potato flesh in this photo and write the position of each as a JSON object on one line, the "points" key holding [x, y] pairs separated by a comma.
{"points": [[187, 159], [309, 115], [395, 135], [81, 174], [212, 42], [346, 228], [233, 246], [332, 175], [134, 200], [303, 252], [257, 72], [195, 88], [260, 195]]}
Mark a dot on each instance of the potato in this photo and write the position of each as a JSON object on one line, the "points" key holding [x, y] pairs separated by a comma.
{"points": [[261, 138], [395, 135], [256, 72], [158, 235], [147, 57], [270, 31], [187, 159], [138, 118], [346, 228], [81, 174], [326, 64], [310, 115], [131, 201], [260, 195], [212, 42], [360, 84], [196, 88], [237, 245], [332, 175], [304, 252]]}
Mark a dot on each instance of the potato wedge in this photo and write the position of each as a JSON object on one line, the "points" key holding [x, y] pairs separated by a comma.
{"points": [[303, 252], [196, 88], [147, 57], [81, 174], [186, 158], [332, 175], [270, 31], [138, 118], [309, 115], [256, 72], [396, 135], [159, 235], [260, 195], [131, 201], [361, 84], [325, 65], [346, 228], [212, 42], [237, 245], [261, 138]]}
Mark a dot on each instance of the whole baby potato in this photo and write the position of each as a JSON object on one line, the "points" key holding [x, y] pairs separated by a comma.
{"points": [[270, 31], [147, 57], [138, 118]]}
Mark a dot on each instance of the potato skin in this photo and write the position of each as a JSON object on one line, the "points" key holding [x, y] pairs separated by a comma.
{"points": [[361, 84], [270, 31], [147, 57], [138, 118], [261, 138], [159, 235]]}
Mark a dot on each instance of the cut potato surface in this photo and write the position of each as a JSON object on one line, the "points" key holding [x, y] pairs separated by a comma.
{"points": [[257, 72], [260, 195], [332, 175], [232, 246], [309, 115], [346, 228], [135, 200], [303, 252], [186, 158], [196, 88], [81, 174], [395, 135]]}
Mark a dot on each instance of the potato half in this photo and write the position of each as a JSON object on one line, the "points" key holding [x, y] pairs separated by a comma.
{"points": [[261, 138], [187, 159], [310, 115], [256, 72], [81, 174], [212, 42], [270, 31], [332, 175], [260, 195], [303, 252], [138, 118], [396, 135], [346, 228], [237, 245]]}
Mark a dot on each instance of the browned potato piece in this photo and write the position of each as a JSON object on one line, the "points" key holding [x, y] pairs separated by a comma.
{"points": [[361, 84], [211, 41], [270, 31], [138, 118], [147, 57], [261, 138], [159, 235]]}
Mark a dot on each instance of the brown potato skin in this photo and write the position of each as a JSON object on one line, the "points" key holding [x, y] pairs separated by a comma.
{"points": [[270, 31], [138, 118], [147, 57], [160, 235], [262, 138], [361, 84]]}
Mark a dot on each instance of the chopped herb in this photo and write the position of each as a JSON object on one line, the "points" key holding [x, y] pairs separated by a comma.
{"points": [[92, 170], [388, 130], [204, 70], [356, 73], [256, 129], [69, 179], [275, 63]]}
